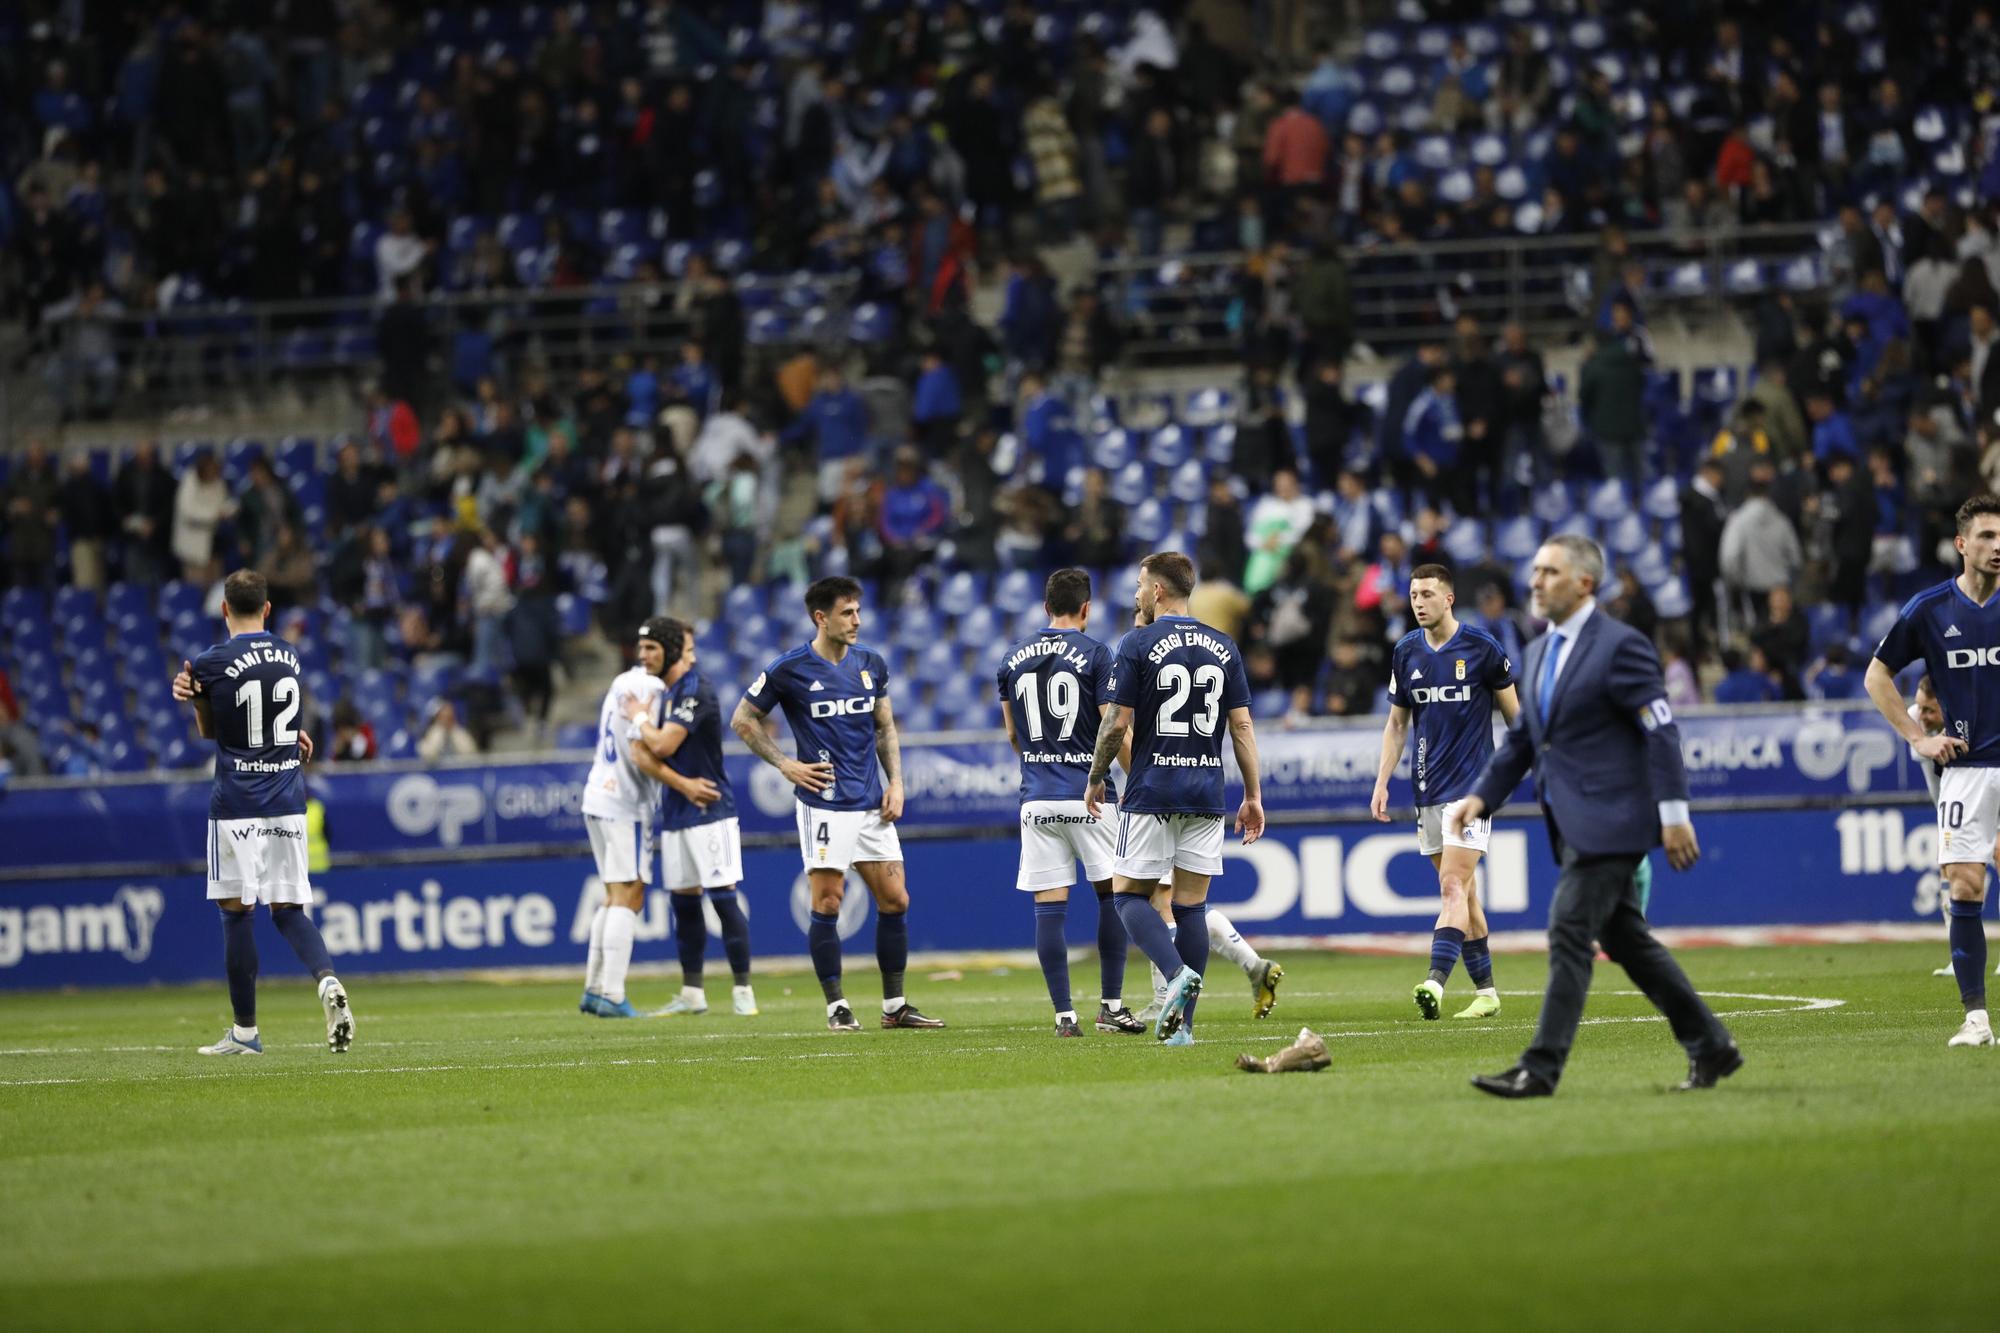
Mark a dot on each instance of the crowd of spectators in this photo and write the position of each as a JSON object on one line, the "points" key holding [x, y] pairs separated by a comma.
{"points": [[235, 157]]}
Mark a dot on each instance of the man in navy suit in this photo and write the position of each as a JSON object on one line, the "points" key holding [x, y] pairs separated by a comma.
{"points": [[1595, 727]]}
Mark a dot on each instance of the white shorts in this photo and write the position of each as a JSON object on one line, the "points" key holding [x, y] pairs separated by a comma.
{"points": [[1055, 835], [1968, 807], [1431, 835], [838, 839], [260, 860], [1151, 847], [623, 848], [707, 856]]}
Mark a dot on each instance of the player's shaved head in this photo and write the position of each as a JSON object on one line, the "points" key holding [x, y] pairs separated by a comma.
{"points": [[1067, 592], [245, 594]]}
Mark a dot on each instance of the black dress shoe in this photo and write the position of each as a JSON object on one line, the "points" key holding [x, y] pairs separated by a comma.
{"points": [[1707, 1071], [1515, 1083]]}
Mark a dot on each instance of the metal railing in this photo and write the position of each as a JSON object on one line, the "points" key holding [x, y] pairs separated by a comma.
{"points": [[192, 355], [1185, 308]]}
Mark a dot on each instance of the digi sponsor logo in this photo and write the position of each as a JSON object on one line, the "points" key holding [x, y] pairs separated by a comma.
{"points": [[123, 926], [1441, 694], [839, 707], [1326, 876]]}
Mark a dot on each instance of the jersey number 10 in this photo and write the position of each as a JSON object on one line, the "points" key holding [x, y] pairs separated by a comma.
{"points": [[1207, 679], [1064, 701], [250, 694]]}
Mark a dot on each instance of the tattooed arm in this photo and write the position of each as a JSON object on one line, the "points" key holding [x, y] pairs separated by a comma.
{"points": [[889, 749]]}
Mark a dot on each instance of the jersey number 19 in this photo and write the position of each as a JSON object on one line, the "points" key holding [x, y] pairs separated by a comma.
{"points": [[1063, 702]]}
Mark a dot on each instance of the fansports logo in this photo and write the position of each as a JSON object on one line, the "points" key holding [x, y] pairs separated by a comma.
{"points": [[420, 805], [266, 831]]}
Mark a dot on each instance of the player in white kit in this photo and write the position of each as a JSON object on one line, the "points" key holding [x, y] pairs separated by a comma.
{"points": [[619, 801]]}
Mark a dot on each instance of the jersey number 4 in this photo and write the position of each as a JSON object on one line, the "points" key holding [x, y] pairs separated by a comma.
{"points": [[1064, 700], [1175, 677], [250, 694]]}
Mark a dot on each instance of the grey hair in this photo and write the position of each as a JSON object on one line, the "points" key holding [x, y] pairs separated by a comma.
{"points": [[1586, 557]]}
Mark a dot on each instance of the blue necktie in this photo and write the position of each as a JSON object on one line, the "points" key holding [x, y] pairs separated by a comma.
{"points": [[1550, 660]]}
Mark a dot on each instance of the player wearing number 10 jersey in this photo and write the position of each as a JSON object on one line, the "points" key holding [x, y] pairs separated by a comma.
{"points": [[246, 695], [1177, 685], [1053, 693]]}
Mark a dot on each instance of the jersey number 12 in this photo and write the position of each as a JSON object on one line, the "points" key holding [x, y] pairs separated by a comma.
{"points": [[250, 694]]}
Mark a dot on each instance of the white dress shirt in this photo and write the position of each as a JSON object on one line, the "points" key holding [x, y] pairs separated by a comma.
{"points": [[1565, 634]]}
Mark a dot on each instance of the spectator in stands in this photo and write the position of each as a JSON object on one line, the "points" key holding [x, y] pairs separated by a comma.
{"points": [[1152, 181], [1783, 635], [938, 408], [1052, 152], [1783, 425], [290, 569], [443, 737], [1324, 303], [1892, 553], [1748, 680], [143, 498], [1677, 654], [1223, 549], [1292, 616], [399, 253], [1433, 439], [1833, 677], [201, 504], [1525, 391], [374, 598], [911, 522], [1410, 380], [266, 508], [1030, 318], [1277, 523], [1611, 400], [1332, 421], [1096, 527], [1760, 547], [1847, 515], [1631, 603], [488, 599], [1740, 447], [394, 428], [1479, 393], [85, 506], [837, 421], [1701, 544], [1295, 156], [1351, 685], [1523, 86], [84, 329], [1090, 340], [1832, 432], [534, 634], [742, 514], [403, 340]]}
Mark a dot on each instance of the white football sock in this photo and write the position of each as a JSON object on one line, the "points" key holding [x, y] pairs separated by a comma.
{"points": [[1222, 937], [620, 924], [1070, 1014], [593, 972], [832, 1005], [242, 1033], [1159, 984], [1113, 1002], [891, 1005]]}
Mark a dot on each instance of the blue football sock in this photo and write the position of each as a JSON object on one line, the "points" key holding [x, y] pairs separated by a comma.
{"points": [[1968, 953], [823, 942], [690, 935], [735, 932], [1446, 942], [1112, 944], [304, 937], [1053, 950], [1479, 963], [892, 950], [1145, 929], [239, 957], [1191, 939]]}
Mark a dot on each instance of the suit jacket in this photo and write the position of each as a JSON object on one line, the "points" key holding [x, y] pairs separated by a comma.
{"points": [[1607, 753]]}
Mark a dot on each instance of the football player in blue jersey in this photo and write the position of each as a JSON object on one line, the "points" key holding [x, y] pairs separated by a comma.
{"points": [[1955, 628], [1057, 683], [1447, 677], [701, 846], [835, 694], [247, 694], [1178, 686]]}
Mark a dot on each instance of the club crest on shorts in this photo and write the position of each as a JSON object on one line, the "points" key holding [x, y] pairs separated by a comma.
{"points": [[1461, 668]]}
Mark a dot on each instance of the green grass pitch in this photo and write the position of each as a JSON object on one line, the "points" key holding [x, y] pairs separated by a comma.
{"points": [[487, 1156]]}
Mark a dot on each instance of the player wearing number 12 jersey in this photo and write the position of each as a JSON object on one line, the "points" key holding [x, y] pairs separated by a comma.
{"points": [[247, 694], [1053, 694], [1178, 685]]}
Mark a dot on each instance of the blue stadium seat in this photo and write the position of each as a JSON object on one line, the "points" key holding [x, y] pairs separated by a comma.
{"points": [[1017, 590], [1132, 483], [980, 624], [1189, 483], [1607, 502], [576, 736], [400, 744], [938, 661], [1112, 449], [23, 604], [961, 592], [1147, 522], [1670, 599], [741, 601], [916, 627], [1878, 621], [1626, 536], [1207, 408], [1170, 446], [1517, 539]]}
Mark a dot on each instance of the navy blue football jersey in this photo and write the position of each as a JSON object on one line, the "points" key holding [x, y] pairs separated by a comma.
{"points": [[1449, 691], [1054, 687], [1180, 679], [1959, 642], [830, 707], [254, 694], [693, 706]]}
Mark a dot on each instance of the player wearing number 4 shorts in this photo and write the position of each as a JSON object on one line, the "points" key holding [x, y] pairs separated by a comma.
{"points": [[1447, 678], [1053, 696], [1955, 629], [701, 845], [835, 694], [247, 694], [1177, 686]]}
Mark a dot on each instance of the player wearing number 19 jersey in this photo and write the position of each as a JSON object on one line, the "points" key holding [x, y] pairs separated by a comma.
{"points": [[1053, 693], [1955, 628], [247, 694], [1178, 685]]}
